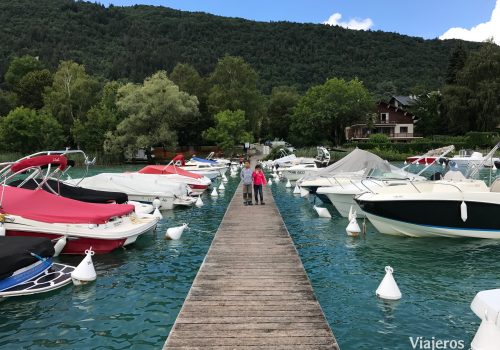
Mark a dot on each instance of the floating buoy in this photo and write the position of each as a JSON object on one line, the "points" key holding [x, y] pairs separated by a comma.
{"points": [[224, 178], [270, 182], [157, 214], [288, 184], [2, 229], [388, 288], [156, 203], [296, 190], [199, 202], [463, 211], [59, 246], [352, 228], [322, 212], [406, 162], [85, 271], [222, 187], [233, 173], [494, 169], [175, 233], [214, 193], [304, 192], [485, 306], [274, 175]]}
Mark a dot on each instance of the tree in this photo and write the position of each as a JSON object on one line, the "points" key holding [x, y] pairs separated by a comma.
{"points": [[31, 87], [19, 67], [456, 63], [325, 110], [8, 101], [473, 103], [102, 118], [234, 87], [27, 130], [230, 129], [190, 81], [72, 94], [282, 101], [429, 110], [154, 112]]}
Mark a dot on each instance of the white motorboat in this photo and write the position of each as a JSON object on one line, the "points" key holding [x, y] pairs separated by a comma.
{"points": [[141, 187], [104, 227], [196, 182], [444, 208], [297, 172]]}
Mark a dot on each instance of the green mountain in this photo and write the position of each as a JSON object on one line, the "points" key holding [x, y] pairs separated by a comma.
{"points": [[133, 42]]}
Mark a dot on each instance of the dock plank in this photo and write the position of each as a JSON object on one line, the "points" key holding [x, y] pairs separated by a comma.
{"points": [[252, 290]]}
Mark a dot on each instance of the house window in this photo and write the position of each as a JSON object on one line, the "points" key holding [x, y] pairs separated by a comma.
{"points": [[384, 117], [403, 130]]}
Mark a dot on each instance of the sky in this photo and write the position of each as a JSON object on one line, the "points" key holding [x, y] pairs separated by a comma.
{"points": [[473, 20]]}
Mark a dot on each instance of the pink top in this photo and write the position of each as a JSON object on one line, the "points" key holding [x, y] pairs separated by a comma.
{"points": [[259, 178]]}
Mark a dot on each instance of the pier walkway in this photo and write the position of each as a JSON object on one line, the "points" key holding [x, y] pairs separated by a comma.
{"points": [[251, 291]]}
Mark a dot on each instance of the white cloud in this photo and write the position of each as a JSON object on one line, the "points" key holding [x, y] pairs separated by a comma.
{"points": [[353, 23], [481, 32]]}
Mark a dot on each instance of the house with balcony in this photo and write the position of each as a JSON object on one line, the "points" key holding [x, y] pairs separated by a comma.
{"points": [[392, 119]]}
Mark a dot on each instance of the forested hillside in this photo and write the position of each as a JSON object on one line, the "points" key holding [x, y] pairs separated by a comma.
{"points": [[134, 42]]}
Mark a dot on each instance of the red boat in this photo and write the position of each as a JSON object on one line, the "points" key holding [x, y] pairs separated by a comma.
{"points": [[198, 183]]}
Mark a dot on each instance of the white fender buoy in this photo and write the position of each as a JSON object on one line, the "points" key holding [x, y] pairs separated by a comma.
{"points": [[157, 214], [494, 169], [274, 175], [485, 306], [85, 271], [288, 184], [322, 212], [175, 233], [214, 193], [388, 288], [199, 202], [463, 211], [156, 203], [59, 246], [2, 229], [296, 190], [406, 162], [270, 182], [443, 165], [353, 228], [221, 186], [304, 192], [224, 178], [233, 173]]}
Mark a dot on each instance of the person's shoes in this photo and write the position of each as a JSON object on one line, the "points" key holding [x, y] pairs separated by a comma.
{"points": [[245, 203], [256, 202], [250, 203], [262, 203]]}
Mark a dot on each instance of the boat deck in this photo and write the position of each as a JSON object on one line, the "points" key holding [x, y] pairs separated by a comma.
{"points": [[252, 290]]}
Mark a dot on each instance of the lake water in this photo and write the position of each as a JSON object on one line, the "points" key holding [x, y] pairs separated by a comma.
{"points": [[140, 290]]}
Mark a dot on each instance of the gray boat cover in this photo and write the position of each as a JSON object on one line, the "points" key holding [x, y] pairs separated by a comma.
{"points": [[357, 160]]}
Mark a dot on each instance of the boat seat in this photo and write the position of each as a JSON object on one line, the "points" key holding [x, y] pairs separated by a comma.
{"points": [[495, 186]]}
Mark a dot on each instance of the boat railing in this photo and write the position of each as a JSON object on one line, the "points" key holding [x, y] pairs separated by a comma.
{"points": [[434, 184], [372, 181]]}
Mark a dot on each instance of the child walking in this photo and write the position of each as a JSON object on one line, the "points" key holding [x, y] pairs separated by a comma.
{"points": [[246, 178], [259, 180]]}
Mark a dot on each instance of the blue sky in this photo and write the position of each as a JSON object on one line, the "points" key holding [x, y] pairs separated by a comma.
{"points": [[425, 18]]}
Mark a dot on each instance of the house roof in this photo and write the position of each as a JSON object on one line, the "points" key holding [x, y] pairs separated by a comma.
{"points": [[404, 100]]}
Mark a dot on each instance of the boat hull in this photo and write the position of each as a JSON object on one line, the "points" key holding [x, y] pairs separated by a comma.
{"points": [[343, 204], [433, 218]]}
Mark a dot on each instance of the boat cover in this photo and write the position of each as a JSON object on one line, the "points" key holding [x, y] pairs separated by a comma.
{"points": [[285, 159], [47, 207], [355, 161], [15, 252], [59, 160], [74, 192], [168, 169]]}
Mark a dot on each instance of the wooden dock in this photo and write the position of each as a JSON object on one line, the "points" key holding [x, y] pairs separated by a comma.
{"points": [[252, 290]]}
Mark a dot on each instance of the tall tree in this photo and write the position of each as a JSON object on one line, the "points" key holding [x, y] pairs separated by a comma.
{"points": [[19, 67], [31, 87], [8, 101], [154, 112], [72, 93], [231, 128], [429, 110], [234, 87], [282, 101], [101, 119], [27, 130], [456, 63], [325, 110]]}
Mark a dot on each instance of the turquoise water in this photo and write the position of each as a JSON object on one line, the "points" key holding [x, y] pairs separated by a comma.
{"points": [[136, 298], [140, 290], [437, 277]]}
